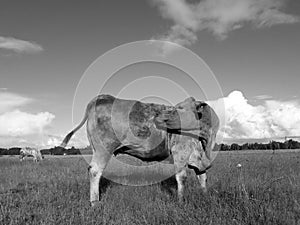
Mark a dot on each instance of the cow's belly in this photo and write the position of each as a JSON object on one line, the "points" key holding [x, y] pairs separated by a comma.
{"points": [[157, 154]]}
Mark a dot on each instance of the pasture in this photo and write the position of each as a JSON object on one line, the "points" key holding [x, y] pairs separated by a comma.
{"points": [[56, 191]]}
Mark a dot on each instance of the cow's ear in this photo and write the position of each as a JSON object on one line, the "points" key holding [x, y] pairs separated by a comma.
{"points": [[186, 103]]}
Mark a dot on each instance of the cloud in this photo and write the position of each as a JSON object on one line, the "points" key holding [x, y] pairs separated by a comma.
{"points": [[41, 140], [263, 97], [17, 123], [179, 35], [9, 101], [269, 120], [55, 140], [219, 17], [19, 128], [19, 46]]}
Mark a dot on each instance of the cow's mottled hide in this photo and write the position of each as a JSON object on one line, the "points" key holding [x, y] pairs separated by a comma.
{"points": [[151, 132]]}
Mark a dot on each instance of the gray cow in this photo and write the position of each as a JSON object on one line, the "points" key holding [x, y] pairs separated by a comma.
{"points": [[150, 132]]}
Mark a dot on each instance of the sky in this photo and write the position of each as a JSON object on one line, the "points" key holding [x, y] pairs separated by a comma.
{"points": [[252, 47]]}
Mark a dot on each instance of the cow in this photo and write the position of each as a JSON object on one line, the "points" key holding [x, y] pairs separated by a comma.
{"points": [[150, 132], [34, 152]]}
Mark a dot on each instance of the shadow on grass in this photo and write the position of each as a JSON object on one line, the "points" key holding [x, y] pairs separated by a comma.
{"points": [[104, 184], [23, 187], [169, 186]]}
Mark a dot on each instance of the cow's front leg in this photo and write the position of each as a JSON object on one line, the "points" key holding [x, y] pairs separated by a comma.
{"points": [[202, 178], [181, 179]]}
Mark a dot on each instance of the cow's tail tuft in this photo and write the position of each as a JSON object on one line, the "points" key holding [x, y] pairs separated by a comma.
{"points": [[66, 139]]}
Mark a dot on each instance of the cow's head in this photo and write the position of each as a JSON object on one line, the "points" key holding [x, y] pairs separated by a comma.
{"points": [[191, 117]]}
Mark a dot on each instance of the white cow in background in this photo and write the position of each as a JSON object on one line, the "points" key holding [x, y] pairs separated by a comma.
{"points": [[27, 151]]}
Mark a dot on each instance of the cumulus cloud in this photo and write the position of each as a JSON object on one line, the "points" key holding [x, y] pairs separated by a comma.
{"points": [[19, 128], [269, 120], [41, 141], [53, 140], [79, 141], [17, 123], [9, 101], [19, 46], [219, 17]]}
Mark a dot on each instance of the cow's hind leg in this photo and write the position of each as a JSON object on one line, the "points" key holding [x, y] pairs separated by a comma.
{"points": [[202, 178], [96, 168], [181, 179]]}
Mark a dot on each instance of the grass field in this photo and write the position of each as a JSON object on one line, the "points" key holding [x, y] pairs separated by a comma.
{"points": [[56, 191]]}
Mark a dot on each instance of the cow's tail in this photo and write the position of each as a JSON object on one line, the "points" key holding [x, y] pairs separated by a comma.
{"points": [[210, 144], [69, 135]]}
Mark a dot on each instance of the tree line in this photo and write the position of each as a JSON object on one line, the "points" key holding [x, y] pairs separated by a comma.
{"points": [[51, 151], [272, 145]]}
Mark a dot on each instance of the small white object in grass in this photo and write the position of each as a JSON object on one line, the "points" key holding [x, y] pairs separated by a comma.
{"points": [[238, 165]]}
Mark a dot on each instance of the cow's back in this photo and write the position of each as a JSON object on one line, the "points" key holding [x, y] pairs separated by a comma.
{"points": [[117, 122]]}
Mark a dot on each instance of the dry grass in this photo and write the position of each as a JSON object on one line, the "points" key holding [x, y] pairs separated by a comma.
{"points": [[56, 191]]}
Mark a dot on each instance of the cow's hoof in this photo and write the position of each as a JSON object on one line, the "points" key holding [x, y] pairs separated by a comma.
{"points": [[95, 203]]}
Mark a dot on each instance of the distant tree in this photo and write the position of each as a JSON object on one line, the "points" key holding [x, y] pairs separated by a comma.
{"points": [[14, 151], [73, 151], [234, 147], [245, 146], [2, 151], [291, 144], [224, 147]]}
